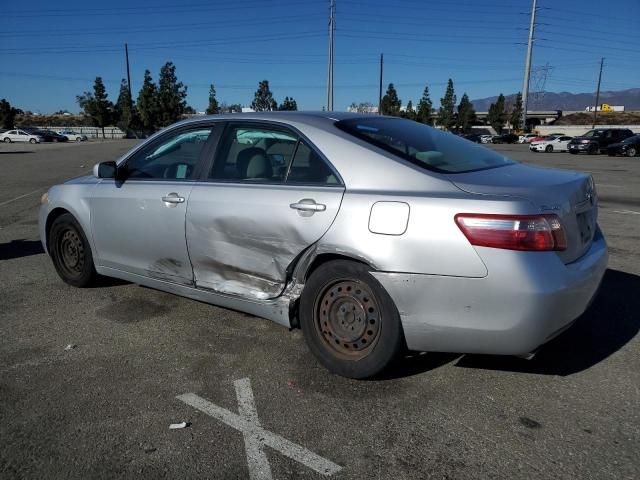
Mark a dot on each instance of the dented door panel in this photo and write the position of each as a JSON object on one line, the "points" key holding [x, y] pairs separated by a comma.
{"points": [[243, 237]]}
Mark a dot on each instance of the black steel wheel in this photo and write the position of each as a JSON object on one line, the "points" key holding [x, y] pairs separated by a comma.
{"points": [[70, 252], [349, 321]]}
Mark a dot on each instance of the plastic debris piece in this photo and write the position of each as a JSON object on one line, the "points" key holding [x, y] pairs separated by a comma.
{"points": [[176, 426], [290, 382], [70, 347]]}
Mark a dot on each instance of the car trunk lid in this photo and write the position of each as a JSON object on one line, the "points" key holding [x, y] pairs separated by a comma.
{"points": [[570, 195]]}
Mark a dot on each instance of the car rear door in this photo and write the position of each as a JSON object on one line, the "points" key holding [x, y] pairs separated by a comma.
{"points": [[138, 220], [268, 195]]}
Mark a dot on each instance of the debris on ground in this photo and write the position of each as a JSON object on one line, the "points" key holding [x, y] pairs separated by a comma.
{"points": [[71, 346], [176, 426]]}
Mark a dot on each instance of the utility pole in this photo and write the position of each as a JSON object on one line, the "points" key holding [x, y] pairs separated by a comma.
{"points": [[527, 67], [380, 91], [330, 73], [126, 55], [595, 110]]}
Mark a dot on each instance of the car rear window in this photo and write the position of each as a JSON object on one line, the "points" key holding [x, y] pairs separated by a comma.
{"points": [[423, 146]]}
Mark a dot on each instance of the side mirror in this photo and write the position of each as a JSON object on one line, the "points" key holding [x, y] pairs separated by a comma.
{"points": [[105, 170]]}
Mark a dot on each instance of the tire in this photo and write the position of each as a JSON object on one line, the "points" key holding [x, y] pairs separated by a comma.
{"points": [[611, 153], [593, 150], [71, 252], [549, 148], [573, 152], [7, 140], [78, 139], [631, 152], [349, 321], [33, 141]]}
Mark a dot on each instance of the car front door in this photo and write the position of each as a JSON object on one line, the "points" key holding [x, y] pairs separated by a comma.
{"points": [[138, 219], [268, 196]]}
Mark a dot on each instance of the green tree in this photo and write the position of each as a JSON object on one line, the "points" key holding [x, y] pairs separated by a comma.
{"points": [[147, 103], [409, 112], [7, 114], [446, 116], [96, 106], [425, 106], [263, 99], [213, 107], [123, 111], [496, 115], [466, 113], [289, 104], [172, 96], [390, 102], [516, 113]]}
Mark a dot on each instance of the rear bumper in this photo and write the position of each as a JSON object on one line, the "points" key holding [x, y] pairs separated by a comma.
{"points": [[526, 299]]}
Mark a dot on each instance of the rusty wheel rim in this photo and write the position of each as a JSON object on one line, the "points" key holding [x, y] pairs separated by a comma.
{"points": [[347, 318], [71, 252]]}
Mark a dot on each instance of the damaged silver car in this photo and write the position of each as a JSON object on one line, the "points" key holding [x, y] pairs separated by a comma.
{"points": [[372, 234]]}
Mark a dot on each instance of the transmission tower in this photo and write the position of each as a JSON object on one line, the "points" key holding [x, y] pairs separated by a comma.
{"points": [[539, 77]]}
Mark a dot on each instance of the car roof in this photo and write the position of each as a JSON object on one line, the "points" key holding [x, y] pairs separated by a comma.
{"points": [[317, 119]]}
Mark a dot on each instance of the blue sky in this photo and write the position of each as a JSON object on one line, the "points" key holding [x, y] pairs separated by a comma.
{"points": [[52, 51]]}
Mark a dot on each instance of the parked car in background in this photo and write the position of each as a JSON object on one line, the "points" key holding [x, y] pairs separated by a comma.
{"points": [[527, 137], [20, 136], [381, 234], [551, 144], [472, 137], [74, 136], [505, 138], [50, 136], [629, 147], [598, 139]]}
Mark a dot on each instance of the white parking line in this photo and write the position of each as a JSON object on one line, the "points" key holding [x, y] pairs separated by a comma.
{"points": [[21, 196], [626, 212], [256, 437]]}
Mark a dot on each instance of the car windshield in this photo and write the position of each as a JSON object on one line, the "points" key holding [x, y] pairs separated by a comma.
{"points": [[422, 145], [594, 133], [634, 139]]}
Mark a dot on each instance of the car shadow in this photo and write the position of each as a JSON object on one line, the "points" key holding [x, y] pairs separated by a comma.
{"points": [[20, 248], [607, 326], [17, 152]]}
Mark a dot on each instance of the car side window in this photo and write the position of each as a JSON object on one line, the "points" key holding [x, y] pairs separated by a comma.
{"points": [[173, 158], [254, 154], [310, 168]]}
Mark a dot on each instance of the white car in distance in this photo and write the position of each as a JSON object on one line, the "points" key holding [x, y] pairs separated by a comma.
{"points": [[20, 136], [527, 137], [73, 136], [551, 144]]}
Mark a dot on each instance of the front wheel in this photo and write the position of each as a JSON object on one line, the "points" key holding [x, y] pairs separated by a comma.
{"points": [[593, 149], [78, 139], [33, 141], [7, 140], [549, 149], [349, 321], [71, 252], [573, 152], [631, 152]]}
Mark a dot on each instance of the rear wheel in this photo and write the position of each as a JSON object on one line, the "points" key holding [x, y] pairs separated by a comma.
{"points": [[549, 148], [349, 321], [78, 139], [631, 152], [70, 252], [33, 141]]}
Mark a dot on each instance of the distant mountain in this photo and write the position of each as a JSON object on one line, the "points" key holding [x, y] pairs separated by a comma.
{"points": [[570, 101]]}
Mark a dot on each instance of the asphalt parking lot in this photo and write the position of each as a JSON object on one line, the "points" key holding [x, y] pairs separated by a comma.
{"points": [[90, 378]]}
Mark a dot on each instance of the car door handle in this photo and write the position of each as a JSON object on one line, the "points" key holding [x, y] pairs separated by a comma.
{"points": [[173, 198], [308, 205]]}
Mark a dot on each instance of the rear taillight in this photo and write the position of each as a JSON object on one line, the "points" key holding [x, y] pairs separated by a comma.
{"points": [[513, 232]]}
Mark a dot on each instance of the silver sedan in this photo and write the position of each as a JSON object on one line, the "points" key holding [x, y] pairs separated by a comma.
{"points": [[372, 234]]}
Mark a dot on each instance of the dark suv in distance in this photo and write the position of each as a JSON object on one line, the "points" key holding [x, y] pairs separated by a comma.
{"points": [[598, 139]]}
